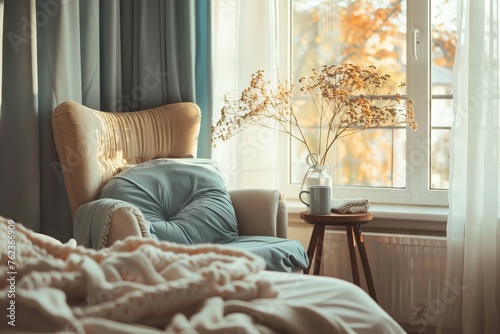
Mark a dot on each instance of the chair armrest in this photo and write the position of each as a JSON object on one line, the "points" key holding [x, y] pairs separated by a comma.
{"points": [[99, 223], [260, 212]]}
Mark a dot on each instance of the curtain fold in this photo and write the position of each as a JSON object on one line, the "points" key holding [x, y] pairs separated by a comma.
{"points": [[158, 53], [473, 228], [110, 50], [241, 47], [66, 70], [19, 154], [111, 55], [203, 77]]}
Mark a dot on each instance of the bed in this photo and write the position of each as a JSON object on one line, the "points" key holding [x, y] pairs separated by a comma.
{"points": [[142, 285], [139, 284]]}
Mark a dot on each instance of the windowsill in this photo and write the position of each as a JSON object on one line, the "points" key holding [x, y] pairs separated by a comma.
{"points": [[401, 219]]}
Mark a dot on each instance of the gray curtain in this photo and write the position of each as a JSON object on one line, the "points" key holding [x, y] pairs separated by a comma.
{"points": [[110, 55]]}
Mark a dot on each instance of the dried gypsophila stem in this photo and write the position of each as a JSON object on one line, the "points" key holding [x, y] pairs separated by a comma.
{"points": [[346, 99]]}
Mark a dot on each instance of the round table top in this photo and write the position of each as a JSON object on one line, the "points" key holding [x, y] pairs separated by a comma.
{"points": [[337, 218]]}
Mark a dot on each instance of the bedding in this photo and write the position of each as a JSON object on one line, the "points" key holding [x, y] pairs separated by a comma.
{"points": [[146, 286], [183, 201]]}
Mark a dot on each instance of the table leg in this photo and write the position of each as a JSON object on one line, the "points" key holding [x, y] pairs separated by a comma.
{"points": [[352, 254], [312, 246], [319, 249], [364, 262]]}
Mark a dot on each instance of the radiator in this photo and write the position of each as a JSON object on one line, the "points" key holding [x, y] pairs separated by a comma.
{"points": [[408, 273]]}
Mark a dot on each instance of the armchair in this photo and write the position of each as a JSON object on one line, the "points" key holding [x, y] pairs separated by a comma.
{"points": [[94, 146]]}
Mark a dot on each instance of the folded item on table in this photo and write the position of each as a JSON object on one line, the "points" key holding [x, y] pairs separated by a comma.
{"points": [[350, 205]]}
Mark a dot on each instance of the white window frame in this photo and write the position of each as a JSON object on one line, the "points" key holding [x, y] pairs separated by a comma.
{"points": [[417, 192]]}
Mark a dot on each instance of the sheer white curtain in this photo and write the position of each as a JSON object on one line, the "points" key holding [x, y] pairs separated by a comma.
{"points": [[473, 273], [245, 37]]}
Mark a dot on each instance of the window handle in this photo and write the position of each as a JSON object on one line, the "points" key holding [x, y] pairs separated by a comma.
{"points": [[415, 35]]}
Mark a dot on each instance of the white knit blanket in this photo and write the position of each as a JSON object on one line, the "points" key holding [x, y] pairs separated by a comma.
{"points": [[136, 286]]}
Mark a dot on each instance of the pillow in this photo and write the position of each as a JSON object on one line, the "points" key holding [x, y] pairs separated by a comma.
{"points": [[182, 200]]}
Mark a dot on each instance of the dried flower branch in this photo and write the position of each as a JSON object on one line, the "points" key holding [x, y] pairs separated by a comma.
{"points": [[347, 99]]}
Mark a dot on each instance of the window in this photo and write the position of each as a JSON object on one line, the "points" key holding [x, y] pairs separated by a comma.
{"points": [[413, 41]]}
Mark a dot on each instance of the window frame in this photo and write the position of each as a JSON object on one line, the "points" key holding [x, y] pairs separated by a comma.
{"points": [[417, 191]]}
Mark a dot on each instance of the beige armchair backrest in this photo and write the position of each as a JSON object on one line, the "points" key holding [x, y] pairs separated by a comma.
{"points": [[94, 145]]}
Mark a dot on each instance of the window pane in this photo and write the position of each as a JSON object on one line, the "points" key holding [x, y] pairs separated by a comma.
{"points": [[360, 32], [333, 32], [372, 158], [441, 108], [440, 158], [444, 37], [366, 159]]}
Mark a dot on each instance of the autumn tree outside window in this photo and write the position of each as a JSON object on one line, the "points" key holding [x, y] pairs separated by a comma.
{"points": [[414, 41]]}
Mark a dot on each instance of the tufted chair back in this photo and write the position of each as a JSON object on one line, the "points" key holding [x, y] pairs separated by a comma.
{"points": [[94, 145]]}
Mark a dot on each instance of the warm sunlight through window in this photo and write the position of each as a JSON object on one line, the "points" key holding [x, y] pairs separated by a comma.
{"points": [[395, 36]]}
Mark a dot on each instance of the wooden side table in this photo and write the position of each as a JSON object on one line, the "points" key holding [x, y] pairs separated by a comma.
{"points": [[352, 223]]}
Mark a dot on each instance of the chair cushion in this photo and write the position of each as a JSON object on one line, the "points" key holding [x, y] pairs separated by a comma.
{"points": [[186, 201], [280, 254], [183, 200]]}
